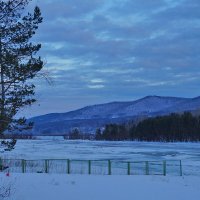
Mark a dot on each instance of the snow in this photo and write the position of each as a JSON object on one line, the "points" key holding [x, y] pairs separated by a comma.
{"points": [[116, 151], [41, 186], [74, 149], [89, 187]]}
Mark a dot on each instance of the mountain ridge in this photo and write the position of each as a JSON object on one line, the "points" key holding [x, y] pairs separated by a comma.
{"points": [[88, 118]]}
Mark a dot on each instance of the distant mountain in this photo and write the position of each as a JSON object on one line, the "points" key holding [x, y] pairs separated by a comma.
{"points": [[89, 118]]}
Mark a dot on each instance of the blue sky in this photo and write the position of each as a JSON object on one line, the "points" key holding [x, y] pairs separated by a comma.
{"points": [[98, 51]]}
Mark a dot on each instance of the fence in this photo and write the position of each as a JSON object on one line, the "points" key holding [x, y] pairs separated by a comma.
{"points": [[101, 167]]}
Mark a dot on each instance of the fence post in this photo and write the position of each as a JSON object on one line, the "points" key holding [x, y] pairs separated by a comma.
{"points": [[109, 167], [128, 168], [164, 168], [181, 171], [147, 167], [89, 166], [1, 164], [46, 166], [68, 166], [23, 163]]}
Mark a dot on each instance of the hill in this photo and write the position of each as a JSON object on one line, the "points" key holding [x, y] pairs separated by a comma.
{"points": [[89, 118]]}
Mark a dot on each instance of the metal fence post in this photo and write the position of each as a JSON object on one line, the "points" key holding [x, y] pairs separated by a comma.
{"points": [[147, 167], [128, 168], [89, 166], [68, 166], [109, 167], [23, 163], [181, 171], [46, 166], [164, 168], [1, 164]]}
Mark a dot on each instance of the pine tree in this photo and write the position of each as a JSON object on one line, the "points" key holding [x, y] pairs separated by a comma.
{"points": [[98, 134], [18, 62]]}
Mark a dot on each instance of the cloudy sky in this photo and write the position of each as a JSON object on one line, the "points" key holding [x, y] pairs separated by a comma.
{"points": [[98, 51]]}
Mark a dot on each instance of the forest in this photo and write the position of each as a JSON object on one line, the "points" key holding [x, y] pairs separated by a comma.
{"points": [[171, 128]]}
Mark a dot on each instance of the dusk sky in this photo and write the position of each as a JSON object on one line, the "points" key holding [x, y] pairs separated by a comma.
{"points": [[98, 51]]}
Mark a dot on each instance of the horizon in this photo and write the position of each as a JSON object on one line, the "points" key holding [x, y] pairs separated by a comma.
{"points": [[117, 50]]}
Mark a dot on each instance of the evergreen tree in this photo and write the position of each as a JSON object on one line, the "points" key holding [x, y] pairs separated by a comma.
{"points": [[98, 135], [75, 134], [171, 128], [18, 62]]}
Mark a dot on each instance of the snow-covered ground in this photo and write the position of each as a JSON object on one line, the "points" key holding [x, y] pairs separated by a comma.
{"points": [[85, 187], [189, 153], [90, 187], [76, 149]]}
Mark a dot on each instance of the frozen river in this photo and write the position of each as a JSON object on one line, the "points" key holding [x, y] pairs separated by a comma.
{"points": [[189, 153]]}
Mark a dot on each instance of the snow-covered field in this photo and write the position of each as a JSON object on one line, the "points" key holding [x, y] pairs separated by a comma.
{"points": [[90, 187], [85, 187], [189, 153], [76, 149]]}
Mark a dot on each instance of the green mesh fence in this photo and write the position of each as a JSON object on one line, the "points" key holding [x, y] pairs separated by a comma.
{"points": [[33, 166], [173, 166], [156, 167], [137, 168], [79, 167], [58, 166], [98, 167], [119, 168], [14, 165]]}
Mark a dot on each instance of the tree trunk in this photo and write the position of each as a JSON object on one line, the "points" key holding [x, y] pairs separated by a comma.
{"points": [[2, 81]]}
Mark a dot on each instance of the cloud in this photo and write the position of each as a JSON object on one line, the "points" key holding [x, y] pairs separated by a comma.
{"points": [[141, 7], [95, 86], [68, 9], [105, 50], [97, 80], [186, 10]]}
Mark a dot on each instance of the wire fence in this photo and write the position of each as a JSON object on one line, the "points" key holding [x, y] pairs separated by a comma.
{"points": [[97, 167]]}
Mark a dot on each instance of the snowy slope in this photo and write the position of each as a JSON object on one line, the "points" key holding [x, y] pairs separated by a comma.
{"points": [[89, 118], [190, 104]]}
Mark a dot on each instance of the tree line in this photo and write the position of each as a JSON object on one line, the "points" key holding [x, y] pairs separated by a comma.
{"points": [[171, 128], [76, 134]]}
